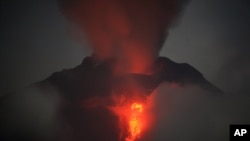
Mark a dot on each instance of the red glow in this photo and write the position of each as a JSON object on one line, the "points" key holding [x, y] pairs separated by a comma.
{"points": [[135, 122], [135, 116]]}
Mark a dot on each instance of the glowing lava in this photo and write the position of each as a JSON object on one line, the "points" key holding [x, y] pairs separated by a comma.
{"points": [[135, 122]]}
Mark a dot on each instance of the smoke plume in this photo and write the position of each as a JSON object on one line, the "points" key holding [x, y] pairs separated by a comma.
{"points": [[130, 31]]}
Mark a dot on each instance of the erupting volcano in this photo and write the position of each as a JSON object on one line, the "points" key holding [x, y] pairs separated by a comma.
{"points": [[110, 96], [116, 81]]}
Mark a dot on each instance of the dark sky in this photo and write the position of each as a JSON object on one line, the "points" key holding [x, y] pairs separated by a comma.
{"points": [[213, 36]]}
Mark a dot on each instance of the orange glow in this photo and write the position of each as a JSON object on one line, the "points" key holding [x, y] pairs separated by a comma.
{"points": [[135, 122], [134, 115]]}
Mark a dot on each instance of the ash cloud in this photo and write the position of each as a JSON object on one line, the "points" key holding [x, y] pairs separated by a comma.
{"points": [[132, 31]]}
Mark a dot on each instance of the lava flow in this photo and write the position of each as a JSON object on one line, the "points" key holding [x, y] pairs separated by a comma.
{"points": [[135, 122]]}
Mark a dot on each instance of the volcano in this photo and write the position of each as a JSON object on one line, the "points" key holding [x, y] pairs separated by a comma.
{"points": [[103, 107]]}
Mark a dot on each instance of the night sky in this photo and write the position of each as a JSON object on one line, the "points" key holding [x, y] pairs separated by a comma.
{"points": [[211, 35]]}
